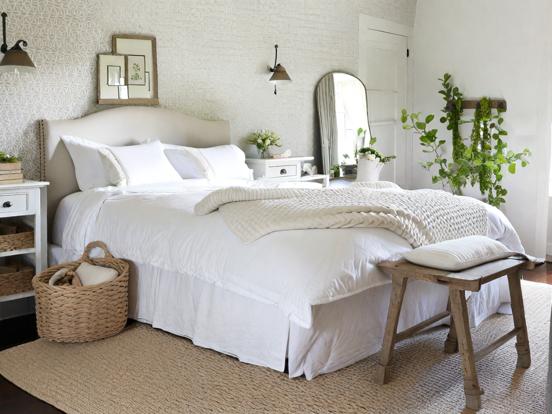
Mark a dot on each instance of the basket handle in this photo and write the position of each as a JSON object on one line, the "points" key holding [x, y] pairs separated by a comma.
{"points": [[92, 245]]}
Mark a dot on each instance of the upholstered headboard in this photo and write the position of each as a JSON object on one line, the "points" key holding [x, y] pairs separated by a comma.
{"points": [[120, 126]]}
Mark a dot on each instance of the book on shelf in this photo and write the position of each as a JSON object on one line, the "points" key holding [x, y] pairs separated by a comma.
{"points": [[15, 177], [6, 172]]}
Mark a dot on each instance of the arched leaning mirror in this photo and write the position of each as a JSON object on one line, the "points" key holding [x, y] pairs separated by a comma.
{"points": [[343, 113]]}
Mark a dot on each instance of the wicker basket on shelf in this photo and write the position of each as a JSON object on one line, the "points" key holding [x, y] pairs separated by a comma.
{"points": [[15, 278], [66, 313], [15, 236]]}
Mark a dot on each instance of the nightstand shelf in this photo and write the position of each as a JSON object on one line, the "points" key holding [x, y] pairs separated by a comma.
{"points": [[27, 201], [16, 296], [17, 252]]}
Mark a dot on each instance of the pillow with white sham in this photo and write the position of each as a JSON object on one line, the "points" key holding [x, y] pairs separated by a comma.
{"points": [[227, 162], [144, 163], [187, 161], [92, 169], [458, 254]]}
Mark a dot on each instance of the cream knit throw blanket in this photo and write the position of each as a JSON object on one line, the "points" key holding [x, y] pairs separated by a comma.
{"points": [[421, 216]]}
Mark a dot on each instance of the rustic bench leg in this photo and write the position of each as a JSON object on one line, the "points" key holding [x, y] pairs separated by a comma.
{"points": [[383, 368], [451, 343], [518, 313], [461, 322]]}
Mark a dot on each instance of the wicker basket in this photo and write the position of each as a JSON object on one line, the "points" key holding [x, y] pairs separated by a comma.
{"points": [[15, 279], [15, 237], [82, 314]]}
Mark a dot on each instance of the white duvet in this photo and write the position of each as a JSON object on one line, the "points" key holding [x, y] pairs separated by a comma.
{"points": [[293, 270]]}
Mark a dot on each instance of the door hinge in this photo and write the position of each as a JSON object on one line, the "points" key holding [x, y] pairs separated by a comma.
{"points": [[407, 52]]}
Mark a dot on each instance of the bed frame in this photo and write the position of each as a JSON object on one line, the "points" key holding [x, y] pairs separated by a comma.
{"points": [[119, 126]]}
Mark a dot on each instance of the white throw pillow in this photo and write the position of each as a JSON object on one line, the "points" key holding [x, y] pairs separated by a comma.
{"points": [[92, 170], [226, 162], [145, 164], [187, 161], [458, 254]]}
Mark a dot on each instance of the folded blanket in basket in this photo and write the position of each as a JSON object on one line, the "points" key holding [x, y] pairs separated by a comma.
{"points": [[87, 275]]}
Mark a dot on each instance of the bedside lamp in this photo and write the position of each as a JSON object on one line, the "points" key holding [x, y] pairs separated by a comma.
{"points": [[15, 59], [279, 73]]}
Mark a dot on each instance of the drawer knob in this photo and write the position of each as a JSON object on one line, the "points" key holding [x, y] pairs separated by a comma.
{"points": [[7, 204], [283, 171]]}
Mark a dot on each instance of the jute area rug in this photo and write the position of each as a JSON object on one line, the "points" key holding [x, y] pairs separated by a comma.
{"points": [[144, 370]]}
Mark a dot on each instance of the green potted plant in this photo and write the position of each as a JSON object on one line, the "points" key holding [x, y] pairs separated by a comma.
{"points": [[264, 139], [370, 160], [478, 160]]}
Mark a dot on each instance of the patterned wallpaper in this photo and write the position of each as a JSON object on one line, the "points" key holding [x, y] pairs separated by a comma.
{"points": [[212, 60]]}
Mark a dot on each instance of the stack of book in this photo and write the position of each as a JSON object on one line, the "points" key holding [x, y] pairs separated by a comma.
{"points": [[10, 173]]}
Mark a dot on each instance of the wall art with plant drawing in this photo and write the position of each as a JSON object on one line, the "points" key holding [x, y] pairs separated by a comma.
{"points": [[482, 159]]}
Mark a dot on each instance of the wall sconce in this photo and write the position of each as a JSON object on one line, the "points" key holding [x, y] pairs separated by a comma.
{"points": [[15, 59], [279, 73]]}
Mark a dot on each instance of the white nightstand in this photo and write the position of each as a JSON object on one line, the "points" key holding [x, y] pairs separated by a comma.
{"points": [[28, 201], [284, 170]]}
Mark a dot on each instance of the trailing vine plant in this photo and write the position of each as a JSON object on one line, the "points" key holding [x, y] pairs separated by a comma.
{"points": [[479, 160]]}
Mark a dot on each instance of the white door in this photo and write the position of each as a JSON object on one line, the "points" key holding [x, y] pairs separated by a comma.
{"points": [[383, 69]]}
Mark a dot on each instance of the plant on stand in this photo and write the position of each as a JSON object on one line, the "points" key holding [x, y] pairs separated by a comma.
{"points": [[370, 160], [479, 160], [263, 140]]}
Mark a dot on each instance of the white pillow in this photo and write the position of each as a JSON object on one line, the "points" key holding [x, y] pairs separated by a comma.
{"points": [[187, 161], [144, 164], [92, 169], [226, 162], [458, 254]]}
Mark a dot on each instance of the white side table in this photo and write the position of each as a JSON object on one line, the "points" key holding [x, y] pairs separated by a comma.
{"points": [[284, 170], [27, 199]]}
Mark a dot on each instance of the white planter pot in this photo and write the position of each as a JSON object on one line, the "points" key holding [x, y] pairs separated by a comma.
{"points": [[368, 170]]}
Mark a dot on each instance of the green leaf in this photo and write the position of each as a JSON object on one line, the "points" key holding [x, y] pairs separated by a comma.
{"points": [[429, 118], [512, 168], [420, 125]]}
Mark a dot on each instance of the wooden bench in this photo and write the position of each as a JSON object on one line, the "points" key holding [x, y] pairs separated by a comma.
{"points": [[459, 335]]}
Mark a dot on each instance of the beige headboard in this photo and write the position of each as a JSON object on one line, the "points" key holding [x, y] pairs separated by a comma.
{"points": [[120, 126]]}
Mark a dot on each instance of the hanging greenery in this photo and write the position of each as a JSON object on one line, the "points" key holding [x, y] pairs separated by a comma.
{"points": [[478, 161]]}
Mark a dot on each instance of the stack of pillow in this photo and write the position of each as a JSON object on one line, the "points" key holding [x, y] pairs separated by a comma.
{"points": [[100, 165]]}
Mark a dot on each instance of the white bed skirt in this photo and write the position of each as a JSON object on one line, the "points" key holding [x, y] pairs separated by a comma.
{"points": [[343, 332]]}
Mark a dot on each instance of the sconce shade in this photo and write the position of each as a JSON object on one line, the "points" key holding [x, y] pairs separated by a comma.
{"points": [[279, 74], [16, 59]]}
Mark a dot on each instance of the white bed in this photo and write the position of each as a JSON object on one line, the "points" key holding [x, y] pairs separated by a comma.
{"points": [[313, 297]]}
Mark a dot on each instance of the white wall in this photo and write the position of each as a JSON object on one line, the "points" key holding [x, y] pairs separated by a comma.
{"points": [[212, 59], [498, 48]]}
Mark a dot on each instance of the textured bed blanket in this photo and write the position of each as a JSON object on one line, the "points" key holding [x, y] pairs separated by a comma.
{"points": [[420, 216]]}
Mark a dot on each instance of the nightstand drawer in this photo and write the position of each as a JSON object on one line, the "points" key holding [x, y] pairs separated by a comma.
{"points": [[13, 203], [282, 171]]}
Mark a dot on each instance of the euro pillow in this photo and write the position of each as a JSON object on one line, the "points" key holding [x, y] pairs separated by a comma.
{"points": [[92, 168], [145, 164], [226, 162], [187, 161], [458, 254]]}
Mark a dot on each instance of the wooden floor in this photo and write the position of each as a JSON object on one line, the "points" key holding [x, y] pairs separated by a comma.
{"points": [[20, 330]]}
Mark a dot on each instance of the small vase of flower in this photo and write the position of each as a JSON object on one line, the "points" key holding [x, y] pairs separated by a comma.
{"points": [[371, 162], [263, 140]]}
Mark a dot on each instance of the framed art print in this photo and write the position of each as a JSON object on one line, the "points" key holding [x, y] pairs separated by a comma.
{"points": [[111, 77], [141, 67]]}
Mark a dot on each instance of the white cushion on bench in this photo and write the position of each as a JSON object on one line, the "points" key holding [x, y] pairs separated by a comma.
{"points": [[458, 254]]}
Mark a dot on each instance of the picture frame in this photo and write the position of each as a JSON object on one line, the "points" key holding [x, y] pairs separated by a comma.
{"points": [[139, 50], [128, 76], [111, 70]]}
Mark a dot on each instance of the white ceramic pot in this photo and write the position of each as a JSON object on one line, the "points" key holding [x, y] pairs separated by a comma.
{"points": [[368, 170]]}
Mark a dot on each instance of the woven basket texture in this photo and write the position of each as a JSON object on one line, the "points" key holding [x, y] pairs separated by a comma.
{"points": [[86, 313]]}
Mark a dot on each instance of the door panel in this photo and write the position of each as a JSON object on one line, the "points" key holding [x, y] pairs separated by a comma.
{"points": [[383, 69]]}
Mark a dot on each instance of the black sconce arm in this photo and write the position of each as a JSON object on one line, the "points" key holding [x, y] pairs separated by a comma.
{"points": [[275, 58], [4, 47]]}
